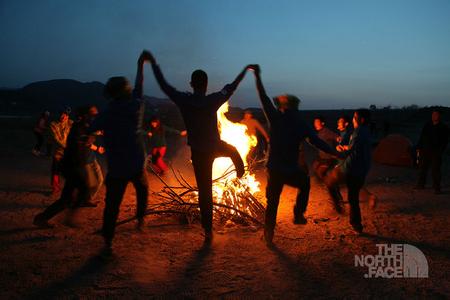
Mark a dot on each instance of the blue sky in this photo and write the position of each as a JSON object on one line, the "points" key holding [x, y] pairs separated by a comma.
{"points": [[332, 54]]}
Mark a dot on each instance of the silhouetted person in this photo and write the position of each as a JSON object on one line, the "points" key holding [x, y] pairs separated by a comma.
{"points": [[78, 154], [39, 131], [91, 170], [355, 167], [432, 143], [122, 126], [199, 113], [287, 131], [158, 144], [345, 130], [59, 130], [254, 128]]}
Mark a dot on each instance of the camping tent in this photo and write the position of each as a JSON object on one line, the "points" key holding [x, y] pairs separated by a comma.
{"points": [[395, 150]]}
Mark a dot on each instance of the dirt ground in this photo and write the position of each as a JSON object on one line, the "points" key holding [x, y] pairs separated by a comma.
{"points": [[168, 260]]}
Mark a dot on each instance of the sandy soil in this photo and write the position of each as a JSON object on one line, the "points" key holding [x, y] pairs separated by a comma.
{"points": [[167, 260]]}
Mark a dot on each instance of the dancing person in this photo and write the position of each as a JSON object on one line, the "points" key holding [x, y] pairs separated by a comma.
{"points": [[287, 131], [78, 154], [122, 126], [344, 129], [355, 167], [324, 161], [199, 112], [158, 144], [39, 131], [431, 146], [59, 130], [253, 128], [91, 169]]}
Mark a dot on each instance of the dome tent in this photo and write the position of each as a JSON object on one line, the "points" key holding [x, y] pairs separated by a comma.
{"points": [[395, 150]]}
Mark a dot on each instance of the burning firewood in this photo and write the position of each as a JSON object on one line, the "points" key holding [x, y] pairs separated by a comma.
{"points": [[234, 199]]}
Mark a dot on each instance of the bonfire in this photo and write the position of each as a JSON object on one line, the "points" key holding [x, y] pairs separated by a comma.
{"points": [[235, 199]]}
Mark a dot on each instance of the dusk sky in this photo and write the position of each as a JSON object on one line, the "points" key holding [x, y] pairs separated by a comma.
{"points": [[332, 54]]}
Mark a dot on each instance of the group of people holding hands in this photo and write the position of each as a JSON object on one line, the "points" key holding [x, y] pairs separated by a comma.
{"points": [[122, 124]]}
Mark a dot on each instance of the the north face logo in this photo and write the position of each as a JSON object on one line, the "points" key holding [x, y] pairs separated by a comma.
{"points": [[394, 261]]}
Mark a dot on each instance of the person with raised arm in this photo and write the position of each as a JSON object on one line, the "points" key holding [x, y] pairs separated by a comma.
{"points": [[287, 131], [199, 111], [122, 126]]}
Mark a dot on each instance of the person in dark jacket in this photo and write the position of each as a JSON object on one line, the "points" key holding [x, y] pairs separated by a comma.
{"points": [[122, 126], [199, 112], [345, 130], [78, 154], [430, 149], [355, 167], [287, 131], [158, 144]]}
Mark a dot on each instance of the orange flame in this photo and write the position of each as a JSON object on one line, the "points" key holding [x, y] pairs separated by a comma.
{"points": [[234, 134]]}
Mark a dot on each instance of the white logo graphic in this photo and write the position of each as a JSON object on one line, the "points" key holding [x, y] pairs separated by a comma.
{"points": [[394, 261]]}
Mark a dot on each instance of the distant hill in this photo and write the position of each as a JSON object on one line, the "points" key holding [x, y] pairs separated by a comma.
{"points": [[55, 95]]}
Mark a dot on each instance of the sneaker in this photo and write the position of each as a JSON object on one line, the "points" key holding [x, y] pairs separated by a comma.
{"points": [[299, 219], [106, 253], [41, 222], [208, 236], [240, 168], [140, 224], [358, 228], [339, 207], [268, 236], [240, 172]]}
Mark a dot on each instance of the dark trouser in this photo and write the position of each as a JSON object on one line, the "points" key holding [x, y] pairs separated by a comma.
{"points": [[39, 140], [433, 159], [115, 189], [275, 182], [74, 183], [202, 162], [354, 185]]}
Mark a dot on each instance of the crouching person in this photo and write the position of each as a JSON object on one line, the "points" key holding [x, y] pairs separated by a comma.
{"points": [[354, 168], [287, 131]]}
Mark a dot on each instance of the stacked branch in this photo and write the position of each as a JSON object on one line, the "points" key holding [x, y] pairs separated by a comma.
{"points": [[236, 203]]}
